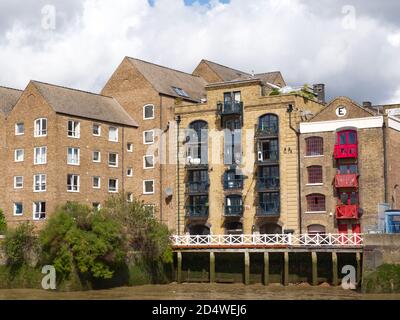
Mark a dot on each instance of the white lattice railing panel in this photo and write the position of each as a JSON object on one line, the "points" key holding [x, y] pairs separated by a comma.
{"points": [[301, 240]]}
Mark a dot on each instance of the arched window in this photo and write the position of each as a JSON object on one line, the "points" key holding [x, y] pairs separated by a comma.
{"points": [[270, 228], [268, 124], [197, 142], [314, 146], [314, 174], [316, 229], [316, 202], [199, 229], [148, 112], [233, 228], [347, 137]]}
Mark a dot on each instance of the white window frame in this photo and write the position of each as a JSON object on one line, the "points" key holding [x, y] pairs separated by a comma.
{"points": [[72, 186], [116, 160], [116, 131], [116, 185], [41, 155], [144, 112], [40, 203], [129, 144], [96, 161], [15, 155], [40, 132], [99, 179], [99, 126], [42, 180], [131, 172], [15, 209], [144, 162], [144, 136], [15, 182], [98, 206], [76, 129], [144, 186], [78, 156], [23, 129], [129, 197]]}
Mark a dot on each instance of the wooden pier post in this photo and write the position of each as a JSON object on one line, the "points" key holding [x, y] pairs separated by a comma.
{"points": [[314, 261], [212, 267], [246, 268], [286, 268], [358, 272], [179, 276], [266, 268], [334, 269]]}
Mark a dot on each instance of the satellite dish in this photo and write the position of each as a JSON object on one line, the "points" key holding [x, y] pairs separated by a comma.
{"points": [[169, 191]]}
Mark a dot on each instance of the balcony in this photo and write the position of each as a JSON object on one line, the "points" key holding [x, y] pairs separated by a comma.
{"points": [[197, 211], [230, 108], [265, 132], [233, 211], [346, 180], [196, 163], [233, 184], [268, 209], [197, 187], [267, 183], [347, 212], [345, 151], [267, 156]]}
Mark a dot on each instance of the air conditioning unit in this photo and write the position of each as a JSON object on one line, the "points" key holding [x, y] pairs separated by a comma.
{"points": [[259, 156]]}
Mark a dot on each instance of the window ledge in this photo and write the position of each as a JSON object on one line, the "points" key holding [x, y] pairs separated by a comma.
{"points": [[314, 184], [316, 212], [319, 156]]}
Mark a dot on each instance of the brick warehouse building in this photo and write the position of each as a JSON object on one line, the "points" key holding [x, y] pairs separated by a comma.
{"points": [[248, 173]]}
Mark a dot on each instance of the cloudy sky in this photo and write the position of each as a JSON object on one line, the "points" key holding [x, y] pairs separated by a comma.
{"points": [[353, 46]]}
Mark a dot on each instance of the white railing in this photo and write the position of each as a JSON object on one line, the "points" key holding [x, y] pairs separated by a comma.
{"points": [[259, 240]]}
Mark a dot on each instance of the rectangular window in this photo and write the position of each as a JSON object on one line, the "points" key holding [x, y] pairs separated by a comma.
{"points": [[148, 186], [113, 134], [148, 162], [40, 127], [316, 203], [129, 147], [96, 182], [113, 185], [96, 156], [40, 155], [39, 210], [73, 183], [73, 156], [148, 112], [39, 183], [129, 172], [113, 159], [314, 174], [19, 128], [18, 182], [18, 209], [74, 129], [19, 155], [96, 130], [148, 137], [314, 146]]}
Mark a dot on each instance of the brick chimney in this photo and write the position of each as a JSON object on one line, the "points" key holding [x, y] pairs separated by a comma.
{"points": [[319, 90]]}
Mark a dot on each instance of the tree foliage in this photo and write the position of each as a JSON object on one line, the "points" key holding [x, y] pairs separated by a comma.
{"points": [[3, 223], [78, 239]]}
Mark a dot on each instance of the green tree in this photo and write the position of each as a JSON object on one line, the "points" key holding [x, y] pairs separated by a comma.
{"points": [[21, 245], [3, 223], [76, 239]]}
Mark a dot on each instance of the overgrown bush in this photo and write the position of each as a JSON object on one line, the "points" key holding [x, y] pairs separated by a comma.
{"points": [[76, 239], [21, 246], [3, 223]]}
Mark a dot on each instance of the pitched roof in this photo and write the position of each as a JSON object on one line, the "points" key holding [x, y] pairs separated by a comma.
{"points": [[84, 104], [226, 73], [8, 99], [164, 80]]}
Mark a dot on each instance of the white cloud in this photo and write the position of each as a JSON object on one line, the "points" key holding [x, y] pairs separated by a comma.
{"points": [[259, 35]]}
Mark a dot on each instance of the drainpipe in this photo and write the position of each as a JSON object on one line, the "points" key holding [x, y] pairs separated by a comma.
{"points": [[297, 132], [160, 152], [178, 121], [123, 161], [385, 188]]}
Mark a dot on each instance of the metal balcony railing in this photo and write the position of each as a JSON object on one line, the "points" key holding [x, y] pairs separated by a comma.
{"points": [[265, 183], [346, 151], [231, 184], [197, 211], [231, 108], [347, 211], [233, 210], [264, 156], [266, 209], [346, 180], [264, 131], [197, 187]]}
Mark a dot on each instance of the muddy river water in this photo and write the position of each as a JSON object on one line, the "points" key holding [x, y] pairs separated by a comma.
{"points": [[201, 291]]}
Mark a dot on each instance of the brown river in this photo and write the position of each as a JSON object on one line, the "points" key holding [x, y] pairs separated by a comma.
{"points": [[197, 291]]}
